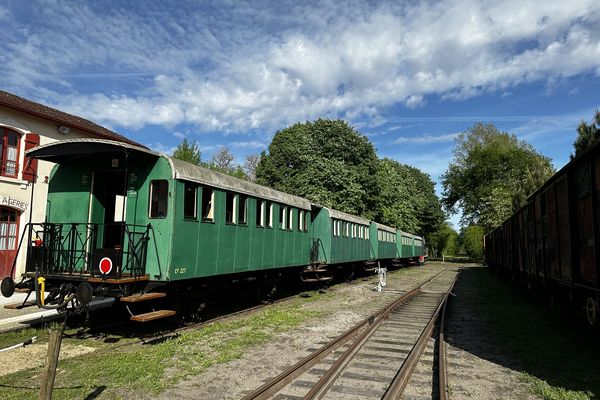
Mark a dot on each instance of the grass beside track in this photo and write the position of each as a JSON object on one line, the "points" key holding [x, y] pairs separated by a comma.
{"points": [[136, 370], [556, 353], [141, 371]]}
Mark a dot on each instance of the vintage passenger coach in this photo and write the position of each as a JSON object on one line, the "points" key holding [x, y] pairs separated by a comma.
{"points": [[130, 224]]}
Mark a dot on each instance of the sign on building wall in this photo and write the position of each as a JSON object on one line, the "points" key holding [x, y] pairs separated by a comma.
{"points": [[12, 202]]}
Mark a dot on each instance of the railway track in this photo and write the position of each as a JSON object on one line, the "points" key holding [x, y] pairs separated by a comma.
{"points": [[376, 358]]}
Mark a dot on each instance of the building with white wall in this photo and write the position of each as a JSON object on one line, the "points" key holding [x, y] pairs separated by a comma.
{"points": [[25, 124]]}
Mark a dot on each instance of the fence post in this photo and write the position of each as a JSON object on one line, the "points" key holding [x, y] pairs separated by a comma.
{"points": [[54, 342]]}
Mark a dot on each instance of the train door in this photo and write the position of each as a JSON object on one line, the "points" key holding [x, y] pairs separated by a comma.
{"points": [[108, 208], [9, 231], [584, 225]]}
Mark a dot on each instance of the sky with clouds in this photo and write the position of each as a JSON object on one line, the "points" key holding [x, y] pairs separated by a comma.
{"points": [[409, 75]]}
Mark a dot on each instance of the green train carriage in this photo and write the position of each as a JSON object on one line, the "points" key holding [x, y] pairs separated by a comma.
{"points": [[383, 239], [127, 223], [340, 238]]}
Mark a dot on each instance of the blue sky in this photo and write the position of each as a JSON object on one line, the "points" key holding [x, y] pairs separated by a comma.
{"points": [[410, 75]]}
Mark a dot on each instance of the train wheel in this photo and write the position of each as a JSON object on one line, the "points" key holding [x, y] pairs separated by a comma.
{"points": [[591, 310]]}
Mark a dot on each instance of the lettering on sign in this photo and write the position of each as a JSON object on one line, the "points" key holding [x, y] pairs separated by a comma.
{"points": [[12, 202]]}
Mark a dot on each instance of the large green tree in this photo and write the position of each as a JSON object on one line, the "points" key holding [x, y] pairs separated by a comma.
{"points": [[187, 151], [444, 241], [406, 198], [491, 175], [326, 161], [473, 241], [587, 134]]}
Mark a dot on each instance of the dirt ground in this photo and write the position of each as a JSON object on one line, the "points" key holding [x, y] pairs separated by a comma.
{"points": [[470, 376], [476, 370], [35, 355]]}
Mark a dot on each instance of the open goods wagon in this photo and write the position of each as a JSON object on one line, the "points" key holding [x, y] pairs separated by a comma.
{"points": [[553, 242], [127, 223]]}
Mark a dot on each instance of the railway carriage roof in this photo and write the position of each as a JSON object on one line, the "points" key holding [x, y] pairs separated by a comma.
{"points": [[385, 228], [410, 235], [64, 150], [347, 217], [189, 172]]}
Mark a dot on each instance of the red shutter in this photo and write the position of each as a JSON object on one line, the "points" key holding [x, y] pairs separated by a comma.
{"points": [[30, 164]]}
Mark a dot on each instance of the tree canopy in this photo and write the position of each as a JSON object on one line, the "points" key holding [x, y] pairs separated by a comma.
{"points": [[473, 241], [187, 151], [326, 161], [332, 164], [491, 175], [406, 198], [587, 134]]}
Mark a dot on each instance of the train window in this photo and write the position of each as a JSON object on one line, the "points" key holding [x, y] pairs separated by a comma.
{"points": [[260, 213], [270, 216], [347, 229], [290, 218], [366, 234], [282, 216], [300, 220], [242, 208], [189, 200], [306, 217], [230, 208], [159, 195], [208, 204], [333, 225]]}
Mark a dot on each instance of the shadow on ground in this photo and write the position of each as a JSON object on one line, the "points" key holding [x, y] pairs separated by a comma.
{"points": [[506, 325]]}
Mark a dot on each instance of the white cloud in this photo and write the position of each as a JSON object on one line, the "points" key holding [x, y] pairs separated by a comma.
{"points": [[251, 144], [427, 138], [248, 68], [4, 13], [415, 101], [161, 148]]}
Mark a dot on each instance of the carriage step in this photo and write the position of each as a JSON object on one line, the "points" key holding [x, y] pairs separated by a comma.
{"points": [[134, 298], [151, 316], [20, 305]]}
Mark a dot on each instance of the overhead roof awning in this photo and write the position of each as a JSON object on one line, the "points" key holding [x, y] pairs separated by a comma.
{"points": [[66, 150]]}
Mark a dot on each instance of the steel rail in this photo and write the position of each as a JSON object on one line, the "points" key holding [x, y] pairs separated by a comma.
{"points": [[359, 331], [442, 360], [398, 384]]}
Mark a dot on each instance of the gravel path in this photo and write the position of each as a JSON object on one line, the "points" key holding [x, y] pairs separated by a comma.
{"points": [[348, 306]]}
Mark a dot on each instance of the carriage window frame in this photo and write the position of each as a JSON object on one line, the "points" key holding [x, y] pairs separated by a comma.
{"points": [[270, 214], [242, 209], [260, 213], [230, 208], [290, 219], [307, 215], [162, 201], [300, 220], [189, 202], [282, 217], [208, 194]]}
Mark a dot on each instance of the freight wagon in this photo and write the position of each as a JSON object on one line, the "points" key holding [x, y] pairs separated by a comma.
{"points": [[127, 223], [553, 242]]}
